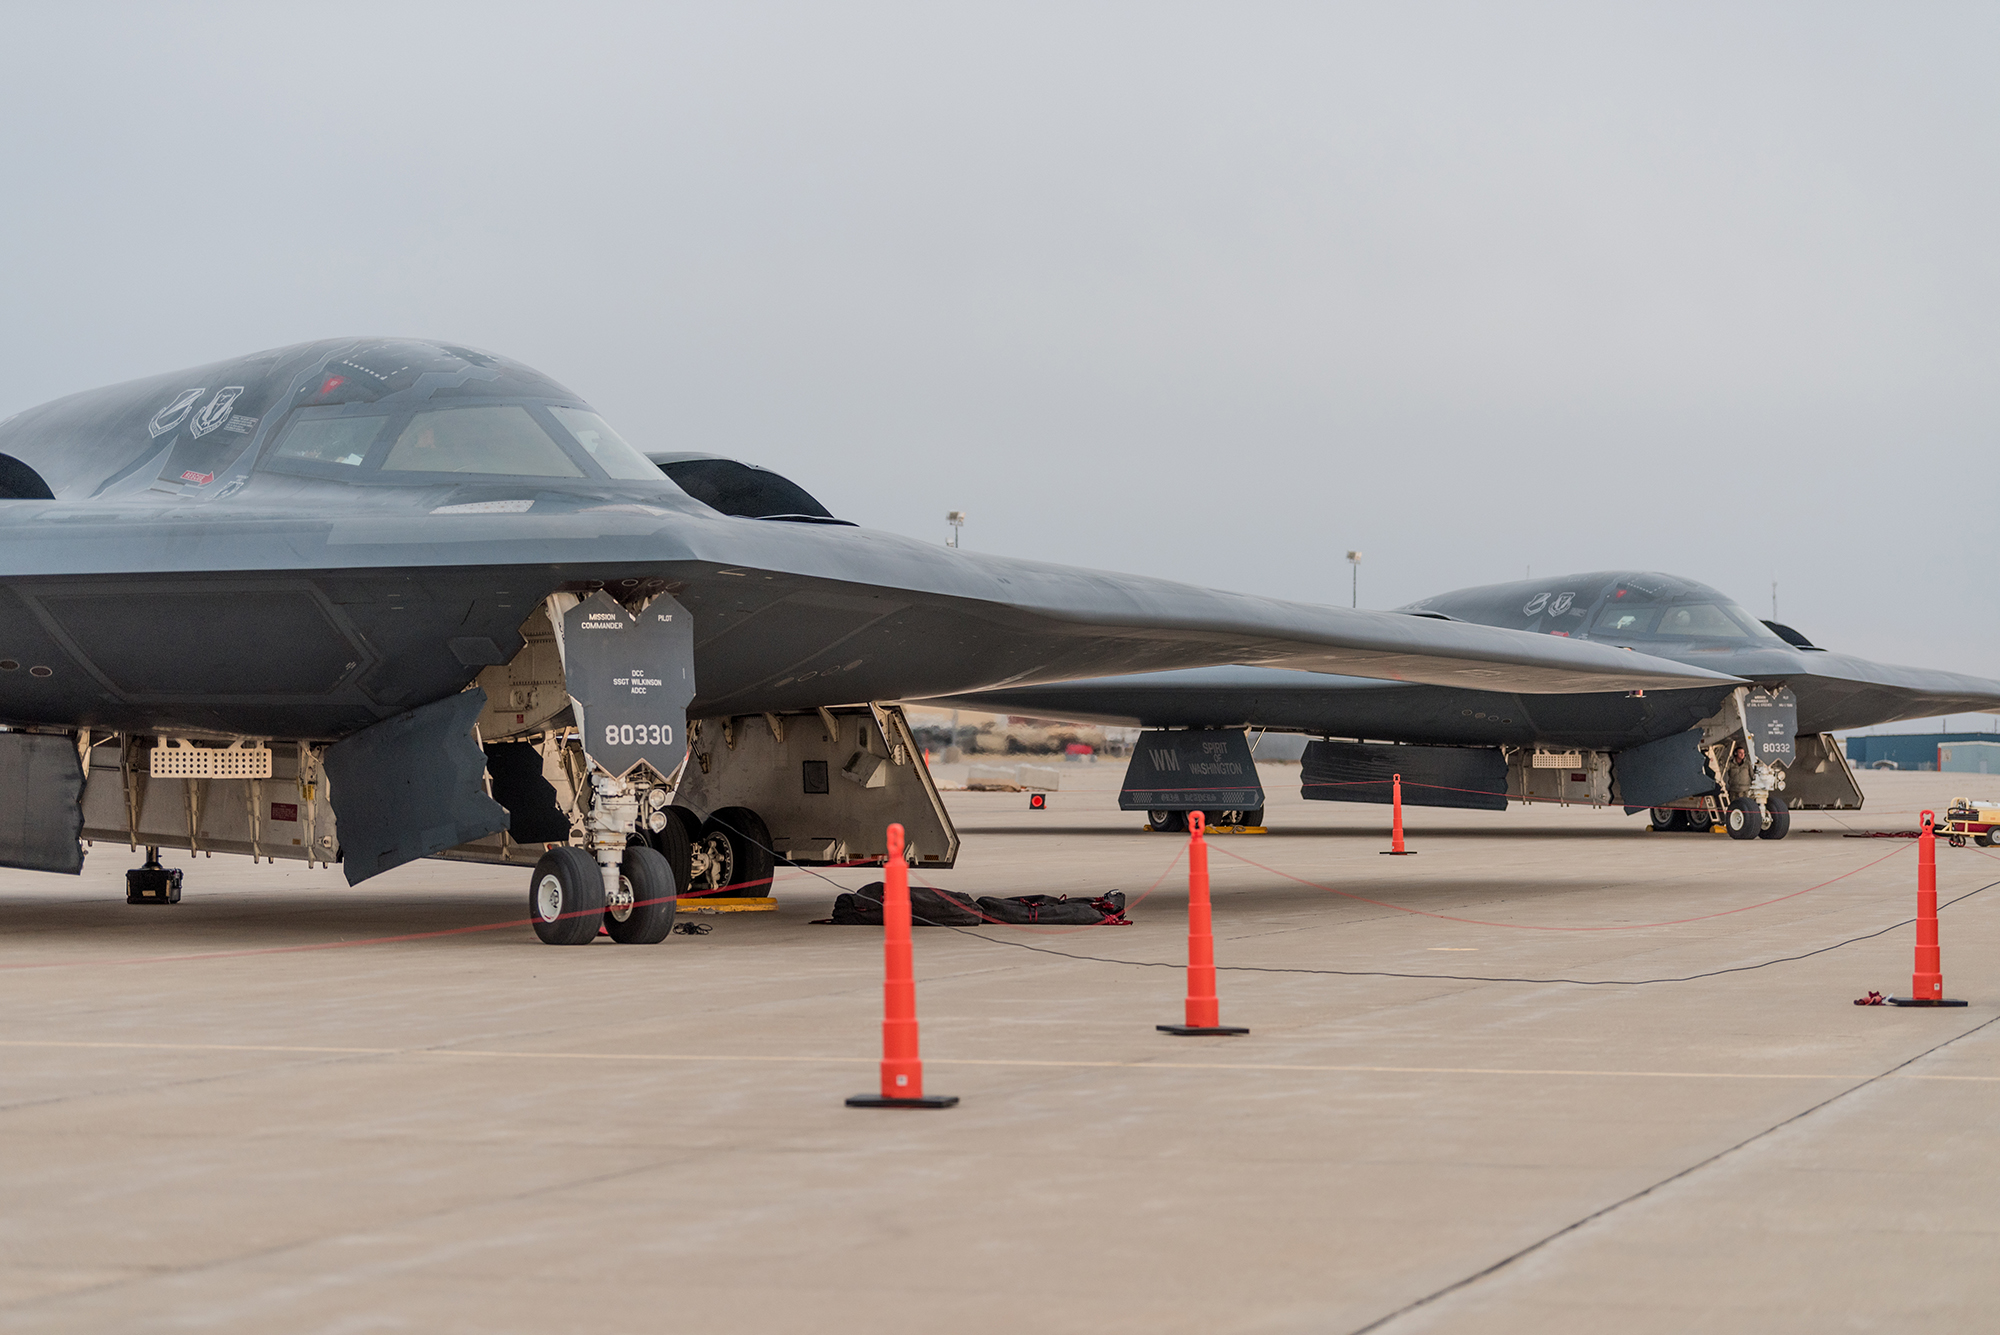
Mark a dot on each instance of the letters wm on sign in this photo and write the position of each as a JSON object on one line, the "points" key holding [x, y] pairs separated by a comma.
{"points": [[630, 677]]}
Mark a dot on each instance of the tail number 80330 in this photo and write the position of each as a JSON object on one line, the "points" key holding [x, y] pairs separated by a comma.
{"points": [[641, 734]]}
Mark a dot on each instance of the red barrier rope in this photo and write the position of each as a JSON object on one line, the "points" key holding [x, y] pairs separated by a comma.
{"points": [[1022, 927]]}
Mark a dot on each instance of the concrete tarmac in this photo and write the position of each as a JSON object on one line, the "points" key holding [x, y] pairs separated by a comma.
{"points": [[248, 1113]]}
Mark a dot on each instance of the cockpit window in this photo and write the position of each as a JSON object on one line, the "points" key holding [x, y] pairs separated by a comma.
{"points": [[1624, 619], [497, 439], [331, 440], [1675, 621], [610, 449], [1700, 621]]}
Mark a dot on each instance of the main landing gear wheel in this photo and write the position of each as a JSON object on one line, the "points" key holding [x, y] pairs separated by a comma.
{"points": [[644, 915], [1166, 822], [1667, 818], [1744, 821], [739, 854], [673, 841], [1778, 819], [566, 898]]}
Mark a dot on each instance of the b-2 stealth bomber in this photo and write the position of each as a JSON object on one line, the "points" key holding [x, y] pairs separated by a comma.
{"points": [[363, 601], [1740, 755]]}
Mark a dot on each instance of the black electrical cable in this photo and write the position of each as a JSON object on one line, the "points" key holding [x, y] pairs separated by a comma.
{"points": [[1383, 973], [1483, 978]]}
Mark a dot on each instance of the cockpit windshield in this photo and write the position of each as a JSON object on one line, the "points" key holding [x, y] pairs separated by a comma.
{"points": [[610, 449], [1624, 619], [501, 438], [343, 441], [526, 440]]}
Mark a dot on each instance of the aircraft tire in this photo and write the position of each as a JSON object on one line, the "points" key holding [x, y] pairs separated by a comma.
{"points": [[743, 841], [690, 823], [1780, 823], [654, 886], [1254, 818], [1166, 822], [673, 842], [1743, 821], [566, 898], [1666, 818]]}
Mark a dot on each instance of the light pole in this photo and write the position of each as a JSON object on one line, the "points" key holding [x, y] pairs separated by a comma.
{"points": [[1354, 562], [956, 518]]}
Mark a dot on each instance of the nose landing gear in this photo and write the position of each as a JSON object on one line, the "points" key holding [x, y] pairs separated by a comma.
{"points": [[1747, 822]]}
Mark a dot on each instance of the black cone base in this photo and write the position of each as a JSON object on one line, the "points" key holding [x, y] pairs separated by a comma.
{"points": [[1199, 1029], [1392, 853], [1922, 1001], [882, 1101]]}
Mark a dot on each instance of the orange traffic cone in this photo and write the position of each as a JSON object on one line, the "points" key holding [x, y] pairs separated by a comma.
{"points": [[1204, 1011], [1395, 848], [1927, 977], [902, 1069]]}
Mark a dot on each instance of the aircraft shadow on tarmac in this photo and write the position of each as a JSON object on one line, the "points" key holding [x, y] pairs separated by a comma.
{"points": [[270, 921], [346, 920]]}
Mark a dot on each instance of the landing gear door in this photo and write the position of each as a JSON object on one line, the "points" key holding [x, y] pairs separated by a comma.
{"points": [[630, 676], [1820, 779], [1771, 719]]}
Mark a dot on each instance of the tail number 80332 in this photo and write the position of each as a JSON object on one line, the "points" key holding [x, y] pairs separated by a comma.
{"points": [[640, 734]]}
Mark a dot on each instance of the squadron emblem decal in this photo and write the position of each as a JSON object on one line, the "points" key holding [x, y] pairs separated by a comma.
{"points": [[176, 412], [215, 412], [1535, 605], [1561, 604]]}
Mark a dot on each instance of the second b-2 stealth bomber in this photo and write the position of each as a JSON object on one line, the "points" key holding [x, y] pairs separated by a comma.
{"points": [[1741, 755]]}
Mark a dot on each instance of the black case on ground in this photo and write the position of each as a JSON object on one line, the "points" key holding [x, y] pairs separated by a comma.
{"points": [[1055, 910], [928, 908]]}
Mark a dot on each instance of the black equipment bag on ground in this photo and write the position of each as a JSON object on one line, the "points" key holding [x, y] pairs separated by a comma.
{"points": [[1056, 910], [928, 908]]}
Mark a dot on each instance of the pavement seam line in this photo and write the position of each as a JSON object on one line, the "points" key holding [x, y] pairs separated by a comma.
{"points": [[1136, 1064], [1599, 1213]]}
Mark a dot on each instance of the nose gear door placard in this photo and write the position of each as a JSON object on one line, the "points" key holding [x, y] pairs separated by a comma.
{"points": [[630, 677], [1771, 718]]}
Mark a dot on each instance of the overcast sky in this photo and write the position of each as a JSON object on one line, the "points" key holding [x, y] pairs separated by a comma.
{"points": [[1210, 291]]}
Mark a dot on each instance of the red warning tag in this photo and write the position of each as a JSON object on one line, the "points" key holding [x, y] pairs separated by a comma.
{"points": [[199, 479]]}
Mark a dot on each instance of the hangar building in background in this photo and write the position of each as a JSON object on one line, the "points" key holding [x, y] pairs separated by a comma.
{"points": [[1963, 752]]}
